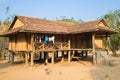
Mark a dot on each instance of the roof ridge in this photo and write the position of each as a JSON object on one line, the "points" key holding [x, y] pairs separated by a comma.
{"points": [[19, 16]]}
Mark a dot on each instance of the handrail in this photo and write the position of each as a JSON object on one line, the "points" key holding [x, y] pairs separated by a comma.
{"points": [[49, 46]]}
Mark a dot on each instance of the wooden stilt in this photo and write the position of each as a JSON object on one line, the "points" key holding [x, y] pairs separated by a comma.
{"points": [[26, 59], [86, 54], [62, 55], [56, 54], [32, 60], [69, 56], [40, 55], [29, 59], [53, 58], [12, 57], [93, 47], [82, 54], [107, 43], [46, 57], [9, 57]]}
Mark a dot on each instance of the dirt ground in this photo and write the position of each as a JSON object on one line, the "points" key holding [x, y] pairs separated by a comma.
{"points": [[59, 71]]}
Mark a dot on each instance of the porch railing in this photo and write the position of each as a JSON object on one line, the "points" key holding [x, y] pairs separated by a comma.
{"points": [[50, 46]]}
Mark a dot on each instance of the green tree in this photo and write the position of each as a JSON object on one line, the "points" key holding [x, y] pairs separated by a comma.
{"points": [[69, 20], [113, 20], [4, 27]]}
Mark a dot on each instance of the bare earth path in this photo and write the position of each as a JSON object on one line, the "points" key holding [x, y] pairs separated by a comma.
{"points": [[59, 71]]}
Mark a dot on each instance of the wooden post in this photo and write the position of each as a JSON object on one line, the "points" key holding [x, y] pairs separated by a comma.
{"points": [[12, 57], [32, 53], [32, 59], [62, 55], [15, 42], [26, 58], [69, 56], [8, 56], [26, 38], [86, 54], [82, 54], [69, 45], [32, 41], [46, 57], [107, 43], [43, 46], [40, 56], [93, 48], [56, 54], [61, 46], [53, 57]]}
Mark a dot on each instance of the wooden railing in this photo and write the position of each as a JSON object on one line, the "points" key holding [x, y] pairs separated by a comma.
{"points": [[50, 46]]}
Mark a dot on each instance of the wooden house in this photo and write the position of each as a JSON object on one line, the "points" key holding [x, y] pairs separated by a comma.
{"points": [[33, 35]]}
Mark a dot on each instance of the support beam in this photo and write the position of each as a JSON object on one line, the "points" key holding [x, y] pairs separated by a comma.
{"points": [[26, 59], [32, 59], [53, 57], [93, 48], [69, 56]]}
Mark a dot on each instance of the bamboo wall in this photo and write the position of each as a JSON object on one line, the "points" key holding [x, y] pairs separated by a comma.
{"points": [[98, 43], [20, 42]]}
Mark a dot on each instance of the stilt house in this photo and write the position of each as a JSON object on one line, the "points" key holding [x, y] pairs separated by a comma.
{"points": [[33, 35]]}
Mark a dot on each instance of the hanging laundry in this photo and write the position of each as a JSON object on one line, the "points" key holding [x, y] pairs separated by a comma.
{"points": [[52, 39], [46, 39], [39, 38]]}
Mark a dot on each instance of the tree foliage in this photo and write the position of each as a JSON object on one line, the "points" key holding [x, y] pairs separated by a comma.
{"points": [[70, 20], [113, 20], [4, 27]]}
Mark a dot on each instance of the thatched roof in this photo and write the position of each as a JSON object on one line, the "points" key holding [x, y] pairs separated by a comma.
{"points": [[92, 26], [35, 25]]}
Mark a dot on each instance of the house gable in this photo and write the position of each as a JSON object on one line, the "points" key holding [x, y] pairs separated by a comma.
{"points": [[17, 23], [102, 23]]}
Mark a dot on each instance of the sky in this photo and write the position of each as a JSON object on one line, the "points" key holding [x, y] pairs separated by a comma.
{"points": [[56, 9]]}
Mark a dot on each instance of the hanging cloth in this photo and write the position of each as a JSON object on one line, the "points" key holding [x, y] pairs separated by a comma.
{"points": [[46, 39], [39, 37]]}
